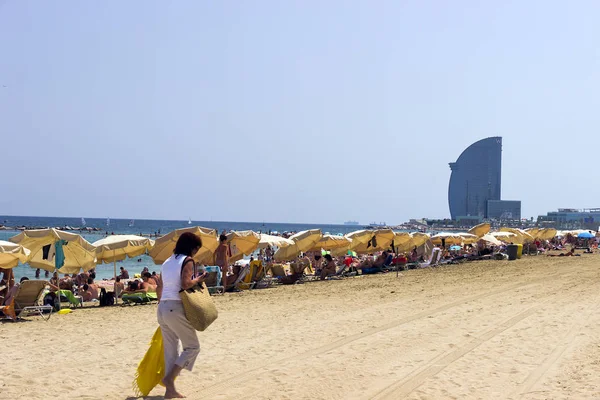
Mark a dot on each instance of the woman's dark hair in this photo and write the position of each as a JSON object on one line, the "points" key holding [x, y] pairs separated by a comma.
{"points": [[222, 238], [186, 243], [328, 257]]}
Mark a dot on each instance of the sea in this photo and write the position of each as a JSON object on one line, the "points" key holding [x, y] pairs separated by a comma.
{"points": [[143, 227]]}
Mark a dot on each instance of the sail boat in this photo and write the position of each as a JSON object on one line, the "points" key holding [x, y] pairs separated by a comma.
{"points": [[107, 221], [189, 221], [82, 221], [131, 223]]}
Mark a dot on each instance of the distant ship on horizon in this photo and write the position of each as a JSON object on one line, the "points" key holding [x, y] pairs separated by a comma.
{"points": [[351, 223]]}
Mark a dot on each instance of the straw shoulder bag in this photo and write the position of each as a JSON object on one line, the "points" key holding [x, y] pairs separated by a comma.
{"points": [[199, 308]]}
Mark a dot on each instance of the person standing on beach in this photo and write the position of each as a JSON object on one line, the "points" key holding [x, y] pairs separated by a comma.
{"points": [[222, 258], [175, 274]]}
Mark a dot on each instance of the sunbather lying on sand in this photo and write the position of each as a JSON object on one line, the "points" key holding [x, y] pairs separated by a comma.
{"points": [[569, 254]]}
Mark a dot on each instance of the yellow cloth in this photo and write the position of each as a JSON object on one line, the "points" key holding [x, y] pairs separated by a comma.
{"points": [[151, 369]]}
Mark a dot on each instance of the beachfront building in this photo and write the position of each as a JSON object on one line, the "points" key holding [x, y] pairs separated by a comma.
{"points": [[476, 182], [572, 218], [504, 209]]}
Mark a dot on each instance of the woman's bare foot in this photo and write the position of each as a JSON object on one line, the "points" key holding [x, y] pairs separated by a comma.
{"points": [[171, 392]]}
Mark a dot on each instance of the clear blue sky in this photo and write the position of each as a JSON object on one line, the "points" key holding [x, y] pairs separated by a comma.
{"points": [[292, 111]]}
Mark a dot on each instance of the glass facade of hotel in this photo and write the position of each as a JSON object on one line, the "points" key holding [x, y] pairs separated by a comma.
{"points": [[475, 179]]}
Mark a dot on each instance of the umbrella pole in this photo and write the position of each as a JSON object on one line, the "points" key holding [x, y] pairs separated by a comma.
{"points": [[57, 283], [115, 271]]}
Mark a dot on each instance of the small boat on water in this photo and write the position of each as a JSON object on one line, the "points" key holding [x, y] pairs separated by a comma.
{"points": [[131, 223], [82, 221], [189, 221], [107, 221]]}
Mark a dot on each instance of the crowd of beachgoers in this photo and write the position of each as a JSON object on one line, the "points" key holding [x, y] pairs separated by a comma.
{"points": [[267, 265]]}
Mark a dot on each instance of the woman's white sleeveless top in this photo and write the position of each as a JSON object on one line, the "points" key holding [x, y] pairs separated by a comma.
{"points": [[171, 277]]}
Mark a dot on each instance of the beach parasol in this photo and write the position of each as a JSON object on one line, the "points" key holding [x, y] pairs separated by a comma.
{"points": [[56, 250], [360, 237], [419, 239], [271, 240], [415, 239], [490, 239], [303, 241], [164, 245], [534, 232], [331, 242], [118, 247], [449, 238], [468, 238], [546, 233], [585, 235], [401, 239], [480, 230], [242, 242], [505, 237], [53, 249], [287, 253], [521, 235], [379, 239], [306, 239], [12, 254]]}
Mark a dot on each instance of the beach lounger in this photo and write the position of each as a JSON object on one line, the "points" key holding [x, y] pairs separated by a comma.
{"points": [[27, 301], [71, 298], [213, 280], [436, 254], [139, 298], [278, 270], [256, 275], [341, 273], [239, 282]]}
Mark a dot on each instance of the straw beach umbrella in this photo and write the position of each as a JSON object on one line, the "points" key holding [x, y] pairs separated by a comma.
{"points": [[72, 252], [56, 250], [415, 239], [449, 238], [242, 242], [271, 240], [118, 247], [468, 238], [505, 237], [164, 245], [303, 241], [533, 232], [12, 254], [360, 237], [287, 253], [480, 230], [490, 239], [377, 240], [331, 242], [521, 235]]}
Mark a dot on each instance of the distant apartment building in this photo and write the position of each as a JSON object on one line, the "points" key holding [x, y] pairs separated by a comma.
{"points": [[588, 218], [476, 183]]}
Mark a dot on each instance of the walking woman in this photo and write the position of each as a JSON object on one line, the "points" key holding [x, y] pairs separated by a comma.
{"points": [[222, 259], [178, 273]]}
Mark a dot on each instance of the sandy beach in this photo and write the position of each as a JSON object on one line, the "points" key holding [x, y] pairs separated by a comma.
{"points": [[525, 329]]}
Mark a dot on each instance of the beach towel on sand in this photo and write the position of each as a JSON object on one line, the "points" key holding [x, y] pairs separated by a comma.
{"points": [[151, 369]]}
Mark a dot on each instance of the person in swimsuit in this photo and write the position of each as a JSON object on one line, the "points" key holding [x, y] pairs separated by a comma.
{"points": [[222, 258]]}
